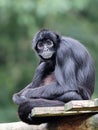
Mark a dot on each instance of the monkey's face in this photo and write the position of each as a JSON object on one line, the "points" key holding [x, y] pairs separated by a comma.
{"points": [[45, 43], [45, 48]]}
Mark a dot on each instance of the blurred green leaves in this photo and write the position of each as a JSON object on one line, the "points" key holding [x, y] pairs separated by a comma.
{"points": [[20, 20]]}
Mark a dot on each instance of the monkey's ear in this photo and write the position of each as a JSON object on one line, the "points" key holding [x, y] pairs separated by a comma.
{"points": [[58, 37], [35, 39], [34, 42]]}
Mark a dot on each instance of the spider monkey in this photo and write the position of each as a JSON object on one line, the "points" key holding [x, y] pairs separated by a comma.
{"points": [[65, 72]]}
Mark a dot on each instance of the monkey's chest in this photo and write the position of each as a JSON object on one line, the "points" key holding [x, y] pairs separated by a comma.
{"points": [[48, 79]]}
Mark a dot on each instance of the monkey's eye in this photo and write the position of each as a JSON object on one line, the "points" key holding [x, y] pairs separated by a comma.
{"points": [[40, 45], [49, 43]]}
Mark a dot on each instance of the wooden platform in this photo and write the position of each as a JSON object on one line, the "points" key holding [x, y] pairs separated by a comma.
{"points": [[70, 108], [75, 115]]}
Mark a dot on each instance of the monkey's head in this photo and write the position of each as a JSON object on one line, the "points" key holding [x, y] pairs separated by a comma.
{"points": [[45, 43]]}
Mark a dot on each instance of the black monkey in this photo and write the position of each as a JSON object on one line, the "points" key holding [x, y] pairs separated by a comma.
{"points": [[65, 72]]}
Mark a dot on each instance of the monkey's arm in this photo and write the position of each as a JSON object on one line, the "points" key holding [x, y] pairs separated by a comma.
{"points": [[57, 88], [24, 94]]}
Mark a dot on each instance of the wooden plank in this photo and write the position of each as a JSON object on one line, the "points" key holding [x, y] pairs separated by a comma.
{"points": [[71, 108], [45, 112], [82, 105]]}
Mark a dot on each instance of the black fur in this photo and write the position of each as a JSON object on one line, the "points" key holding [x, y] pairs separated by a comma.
{"points": [[74, 74]]}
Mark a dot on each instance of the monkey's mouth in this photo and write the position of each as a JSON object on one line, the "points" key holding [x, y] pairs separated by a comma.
{"points": [[47, 55]]}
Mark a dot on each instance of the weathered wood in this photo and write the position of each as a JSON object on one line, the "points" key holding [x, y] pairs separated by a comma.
{"points": [[82, 105], [47, 111], [71, 108], [21, 126], [76, 115], [79, 116], [81, 122], [56, 111]]}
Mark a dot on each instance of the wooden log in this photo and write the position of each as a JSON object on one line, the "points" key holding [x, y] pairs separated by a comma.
{"points": [[75, 122], [84, 122], [21, 126]]}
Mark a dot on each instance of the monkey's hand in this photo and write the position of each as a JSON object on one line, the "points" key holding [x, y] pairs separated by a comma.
{"points": [[19, 99]]}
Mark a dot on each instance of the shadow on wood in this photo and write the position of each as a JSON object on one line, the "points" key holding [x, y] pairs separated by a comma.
{"points": [[76, 122]]}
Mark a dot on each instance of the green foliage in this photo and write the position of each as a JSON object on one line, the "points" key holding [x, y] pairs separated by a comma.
{"points": [[20, 20]]}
